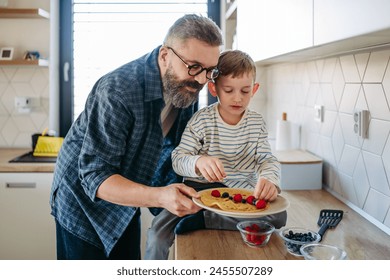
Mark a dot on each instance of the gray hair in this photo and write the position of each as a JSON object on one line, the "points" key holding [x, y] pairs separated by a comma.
{"points": [[192, 26]]}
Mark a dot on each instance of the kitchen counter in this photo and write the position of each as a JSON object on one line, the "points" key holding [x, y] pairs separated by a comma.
{"points": [[7, 154], [359, 238]]}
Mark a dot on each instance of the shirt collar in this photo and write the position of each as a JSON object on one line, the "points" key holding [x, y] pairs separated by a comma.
{"points": [[153, 82]]}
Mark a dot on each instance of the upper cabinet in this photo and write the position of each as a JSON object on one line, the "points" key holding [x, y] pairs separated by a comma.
{"points": [[336, 20], [271, 28], [287, 30], [7, 18]]}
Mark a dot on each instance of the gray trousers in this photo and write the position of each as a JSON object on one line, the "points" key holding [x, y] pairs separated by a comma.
{"points": [[160, 235]]}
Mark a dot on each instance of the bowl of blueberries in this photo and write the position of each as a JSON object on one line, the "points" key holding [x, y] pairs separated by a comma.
{"points": [[294, 238]]}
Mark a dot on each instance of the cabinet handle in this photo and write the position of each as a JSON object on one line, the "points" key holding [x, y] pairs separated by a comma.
{"points": [[21, 185], [66, 71]]}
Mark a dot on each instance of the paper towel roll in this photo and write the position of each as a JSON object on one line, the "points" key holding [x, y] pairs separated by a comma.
{"points": [[283, 135]]}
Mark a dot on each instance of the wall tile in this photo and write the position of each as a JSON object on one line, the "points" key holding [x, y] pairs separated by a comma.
{"points": [[338, 84], [348, 160], [347, 188], [361, 63], [376, 66], [377, 103], [360, 181], [378, 132], [328, 70], [9, 132], [377, 205], [326, 92], [349, 68], [376, 173], [349, 98], [337, 140]]}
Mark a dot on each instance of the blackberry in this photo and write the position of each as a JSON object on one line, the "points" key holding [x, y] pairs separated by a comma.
{"points": [[243, 200]]}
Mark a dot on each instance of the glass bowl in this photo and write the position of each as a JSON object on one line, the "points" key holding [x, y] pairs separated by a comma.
{"points": [[322, 252], [255, 233], [295, 237]]}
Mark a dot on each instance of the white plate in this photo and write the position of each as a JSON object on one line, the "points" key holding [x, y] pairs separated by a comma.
{"points": [[278, 205]]}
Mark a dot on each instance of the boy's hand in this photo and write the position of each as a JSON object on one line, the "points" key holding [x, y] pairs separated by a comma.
{"points": [[265, 190], [211, 168]]}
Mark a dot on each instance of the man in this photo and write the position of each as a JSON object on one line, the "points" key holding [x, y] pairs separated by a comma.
{"points": [[120, 145]]}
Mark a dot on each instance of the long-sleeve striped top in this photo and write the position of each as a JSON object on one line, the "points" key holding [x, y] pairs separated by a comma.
{"points": [[243, 148]]}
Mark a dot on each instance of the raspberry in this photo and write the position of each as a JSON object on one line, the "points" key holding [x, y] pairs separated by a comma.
{"points": [[216, 193], [255, 228], [250, 199], [261, 204], [248, 228], [237, 197]]}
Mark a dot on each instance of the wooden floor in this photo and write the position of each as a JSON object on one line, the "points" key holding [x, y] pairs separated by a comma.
{"points": [[358, 237]]}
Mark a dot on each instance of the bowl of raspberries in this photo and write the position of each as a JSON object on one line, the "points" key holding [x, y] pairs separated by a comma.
{"points": [[295, 237], [255, 233]]}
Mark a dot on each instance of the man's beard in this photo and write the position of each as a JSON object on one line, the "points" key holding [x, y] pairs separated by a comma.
{"points": [[176, 92]]}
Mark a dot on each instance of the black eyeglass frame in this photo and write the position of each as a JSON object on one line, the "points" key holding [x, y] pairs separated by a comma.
{"points": [[214, 71]]}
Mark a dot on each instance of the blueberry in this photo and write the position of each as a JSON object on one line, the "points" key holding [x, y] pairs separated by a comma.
{"points": [[225, 195]]}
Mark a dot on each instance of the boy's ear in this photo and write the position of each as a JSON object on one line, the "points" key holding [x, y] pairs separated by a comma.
{"points": [[256, 86], [212, 89]]}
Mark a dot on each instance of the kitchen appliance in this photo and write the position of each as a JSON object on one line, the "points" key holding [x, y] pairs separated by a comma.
{"points": [[328, 218]]}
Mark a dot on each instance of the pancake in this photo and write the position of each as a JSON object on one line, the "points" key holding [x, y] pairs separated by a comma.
{"points": [[228, 204]]}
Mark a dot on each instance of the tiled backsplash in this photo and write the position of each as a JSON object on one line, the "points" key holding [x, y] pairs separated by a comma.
{"points": [[355, 169], [27, 81]]}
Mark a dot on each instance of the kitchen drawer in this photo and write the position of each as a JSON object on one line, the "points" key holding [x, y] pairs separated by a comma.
{"points": [[27, 228]]}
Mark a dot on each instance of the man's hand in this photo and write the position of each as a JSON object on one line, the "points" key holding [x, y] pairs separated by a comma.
{"points": [[265, 190], [211, 168], [177, 199]]}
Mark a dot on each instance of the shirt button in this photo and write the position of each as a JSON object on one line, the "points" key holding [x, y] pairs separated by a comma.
{"points": [[115, 238]]}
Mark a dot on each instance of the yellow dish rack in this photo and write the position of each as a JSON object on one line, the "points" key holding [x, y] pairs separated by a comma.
{"points": [[48, 146]]}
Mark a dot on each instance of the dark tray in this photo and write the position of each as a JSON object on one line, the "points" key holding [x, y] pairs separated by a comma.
{"points": [[28, 157]]}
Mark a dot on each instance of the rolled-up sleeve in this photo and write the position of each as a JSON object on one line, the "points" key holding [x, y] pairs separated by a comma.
{"points": [[105, 139]]}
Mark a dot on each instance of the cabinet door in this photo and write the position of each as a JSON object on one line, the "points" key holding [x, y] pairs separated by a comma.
{"points": [[267, 29], [335, 20], [27, 228]]}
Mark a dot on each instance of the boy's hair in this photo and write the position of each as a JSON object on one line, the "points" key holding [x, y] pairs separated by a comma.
{"points": [[192, 26], [236, 63]]}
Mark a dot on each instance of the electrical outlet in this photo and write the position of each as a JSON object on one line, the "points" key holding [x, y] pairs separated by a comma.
{"points": [[27, 102], [22, 102], [319, 113], [360, 123]]}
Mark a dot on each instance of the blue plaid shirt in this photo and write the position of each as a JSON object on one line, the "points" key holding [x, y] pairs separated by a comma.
{"points": [[119, 132]]}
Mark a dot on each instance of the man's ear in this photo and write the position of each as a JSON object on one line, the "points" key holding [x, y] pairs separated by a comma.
{"points": [[163, 56], [256, 86], [212, 89]]}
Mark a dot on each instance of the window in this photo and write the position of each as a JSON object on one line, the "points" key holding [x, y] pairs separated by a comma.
{"points": [[107, 34]]}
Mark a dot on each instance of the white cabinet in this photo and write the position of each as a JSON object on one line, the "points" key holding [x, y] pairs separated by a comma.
{"points": [[336, 20], [27, 228], [270, 28]]}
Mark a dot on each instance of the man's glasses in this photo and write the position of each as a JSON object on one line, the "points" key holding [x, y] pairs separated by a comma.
{"points": [[196, 69]]}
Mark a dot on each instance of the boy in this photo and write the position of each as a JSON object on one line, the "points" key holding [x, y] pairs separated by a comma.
{"points": [[223, 145]]}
